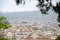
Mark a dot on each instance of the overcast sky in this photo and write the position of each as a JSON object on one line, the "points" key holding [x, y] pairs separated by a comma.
{"points": [[10, 6]]}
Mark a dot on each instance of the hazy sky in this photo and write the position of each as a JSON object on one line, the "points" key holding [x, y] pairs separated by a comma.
{"points": [[10, 6]]}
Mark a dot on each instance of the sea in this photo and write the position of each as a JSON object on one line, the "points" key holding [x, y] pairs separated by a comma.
{"points": [[14, 17]]}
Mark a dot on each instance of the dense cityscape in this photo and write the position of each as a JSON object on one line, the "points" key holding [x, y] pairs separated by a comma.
{"points": [[28, 30]]}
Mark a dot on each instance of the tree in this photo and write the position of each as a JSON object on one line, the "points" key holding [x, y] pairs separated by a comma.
{"points": [[58, 37], [44, 6], [20, 2], [3, 25], [57, 9]]}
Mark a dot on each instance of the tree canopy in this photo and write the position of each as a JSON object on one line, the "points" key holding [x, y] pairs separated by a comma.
{"points": [[3, 23], [20, 2]]}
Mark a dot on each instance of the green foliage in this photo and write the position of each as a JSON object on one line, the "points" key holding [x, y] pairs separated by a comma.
{"points": [[58, 37], [3, 38], [20, 2], [3, 23], [2, 18]]}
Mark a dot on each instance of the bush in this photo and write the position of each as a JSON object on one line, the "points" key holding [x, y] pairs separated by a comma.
{"points": [[3, 23], [58, 37], [3, 38]]}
